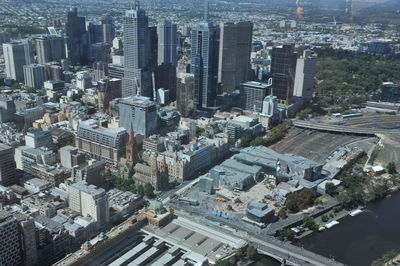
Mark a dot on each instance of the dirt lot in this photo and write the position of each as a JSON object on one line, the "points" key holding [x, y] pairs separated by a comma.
{"points": [[255, 194], [390, 151]]}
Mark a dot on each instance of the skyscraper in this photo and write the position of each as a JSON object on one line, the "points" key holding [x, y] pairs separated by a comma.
{"points": [[10, 251], [77, 39], [16, 55], [234, 54], [165, 77], [185, 94], [204, 63], [95, 32], [43, 50], [107, 91], [283, 70], [7, 166], [305, 73], [167, 43], [34, 76], [153, 50], [137, 76], [50, 48], [100, 52], [108, 29]]}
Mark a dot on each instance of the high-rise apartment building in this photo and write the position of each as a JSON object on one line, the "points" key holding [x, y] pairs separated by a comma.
{"points": [[34, 76], [305, 73], [137, 76], [7, 166], [16, 55], [139, 113], [185, 94], [89, 200], [167, 43], [50, 48], [234, 54], [283, 69], [204, 64], [77, 39], [106, 144]]}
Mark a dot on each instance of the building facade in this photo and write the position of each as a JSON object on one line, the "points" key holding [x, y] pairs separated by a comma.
{"points": [[167, 43], [283, 69], [137, 77], [204, 64], [234, 54], [34, 76], [185, 94], [77, 39], [7, 166], [305, 74], [10, 251], [106, 144], [90, 201], [50, 48], [253, 94], [16, 55], [138, 113]]}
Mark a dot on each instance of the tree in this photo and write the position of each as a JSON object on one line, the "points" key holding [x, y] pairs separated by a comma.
{"points": [[300, 200], [257, 141], [288, 234], [325, 218], [391, 167], [282, 213], [303, 114], [16, 86], [251, 252], [310, 223], [331, 189], [239, 253], [200, 131], [245, 141], [140, 189], [148, 190]]}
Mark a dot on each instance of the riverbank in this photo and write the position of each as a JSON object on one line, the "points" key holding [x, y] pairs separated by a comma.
{"points": [[338, 216], [361, 239]]}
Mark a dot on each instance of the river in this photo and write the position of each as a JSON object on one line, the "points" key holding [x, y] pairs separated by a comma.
{"points": [[359, 240]]}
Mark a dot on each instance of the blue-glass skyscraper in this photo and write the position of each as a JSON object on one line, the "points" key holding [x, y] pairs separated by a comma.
{"points": [[204, 64]]}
